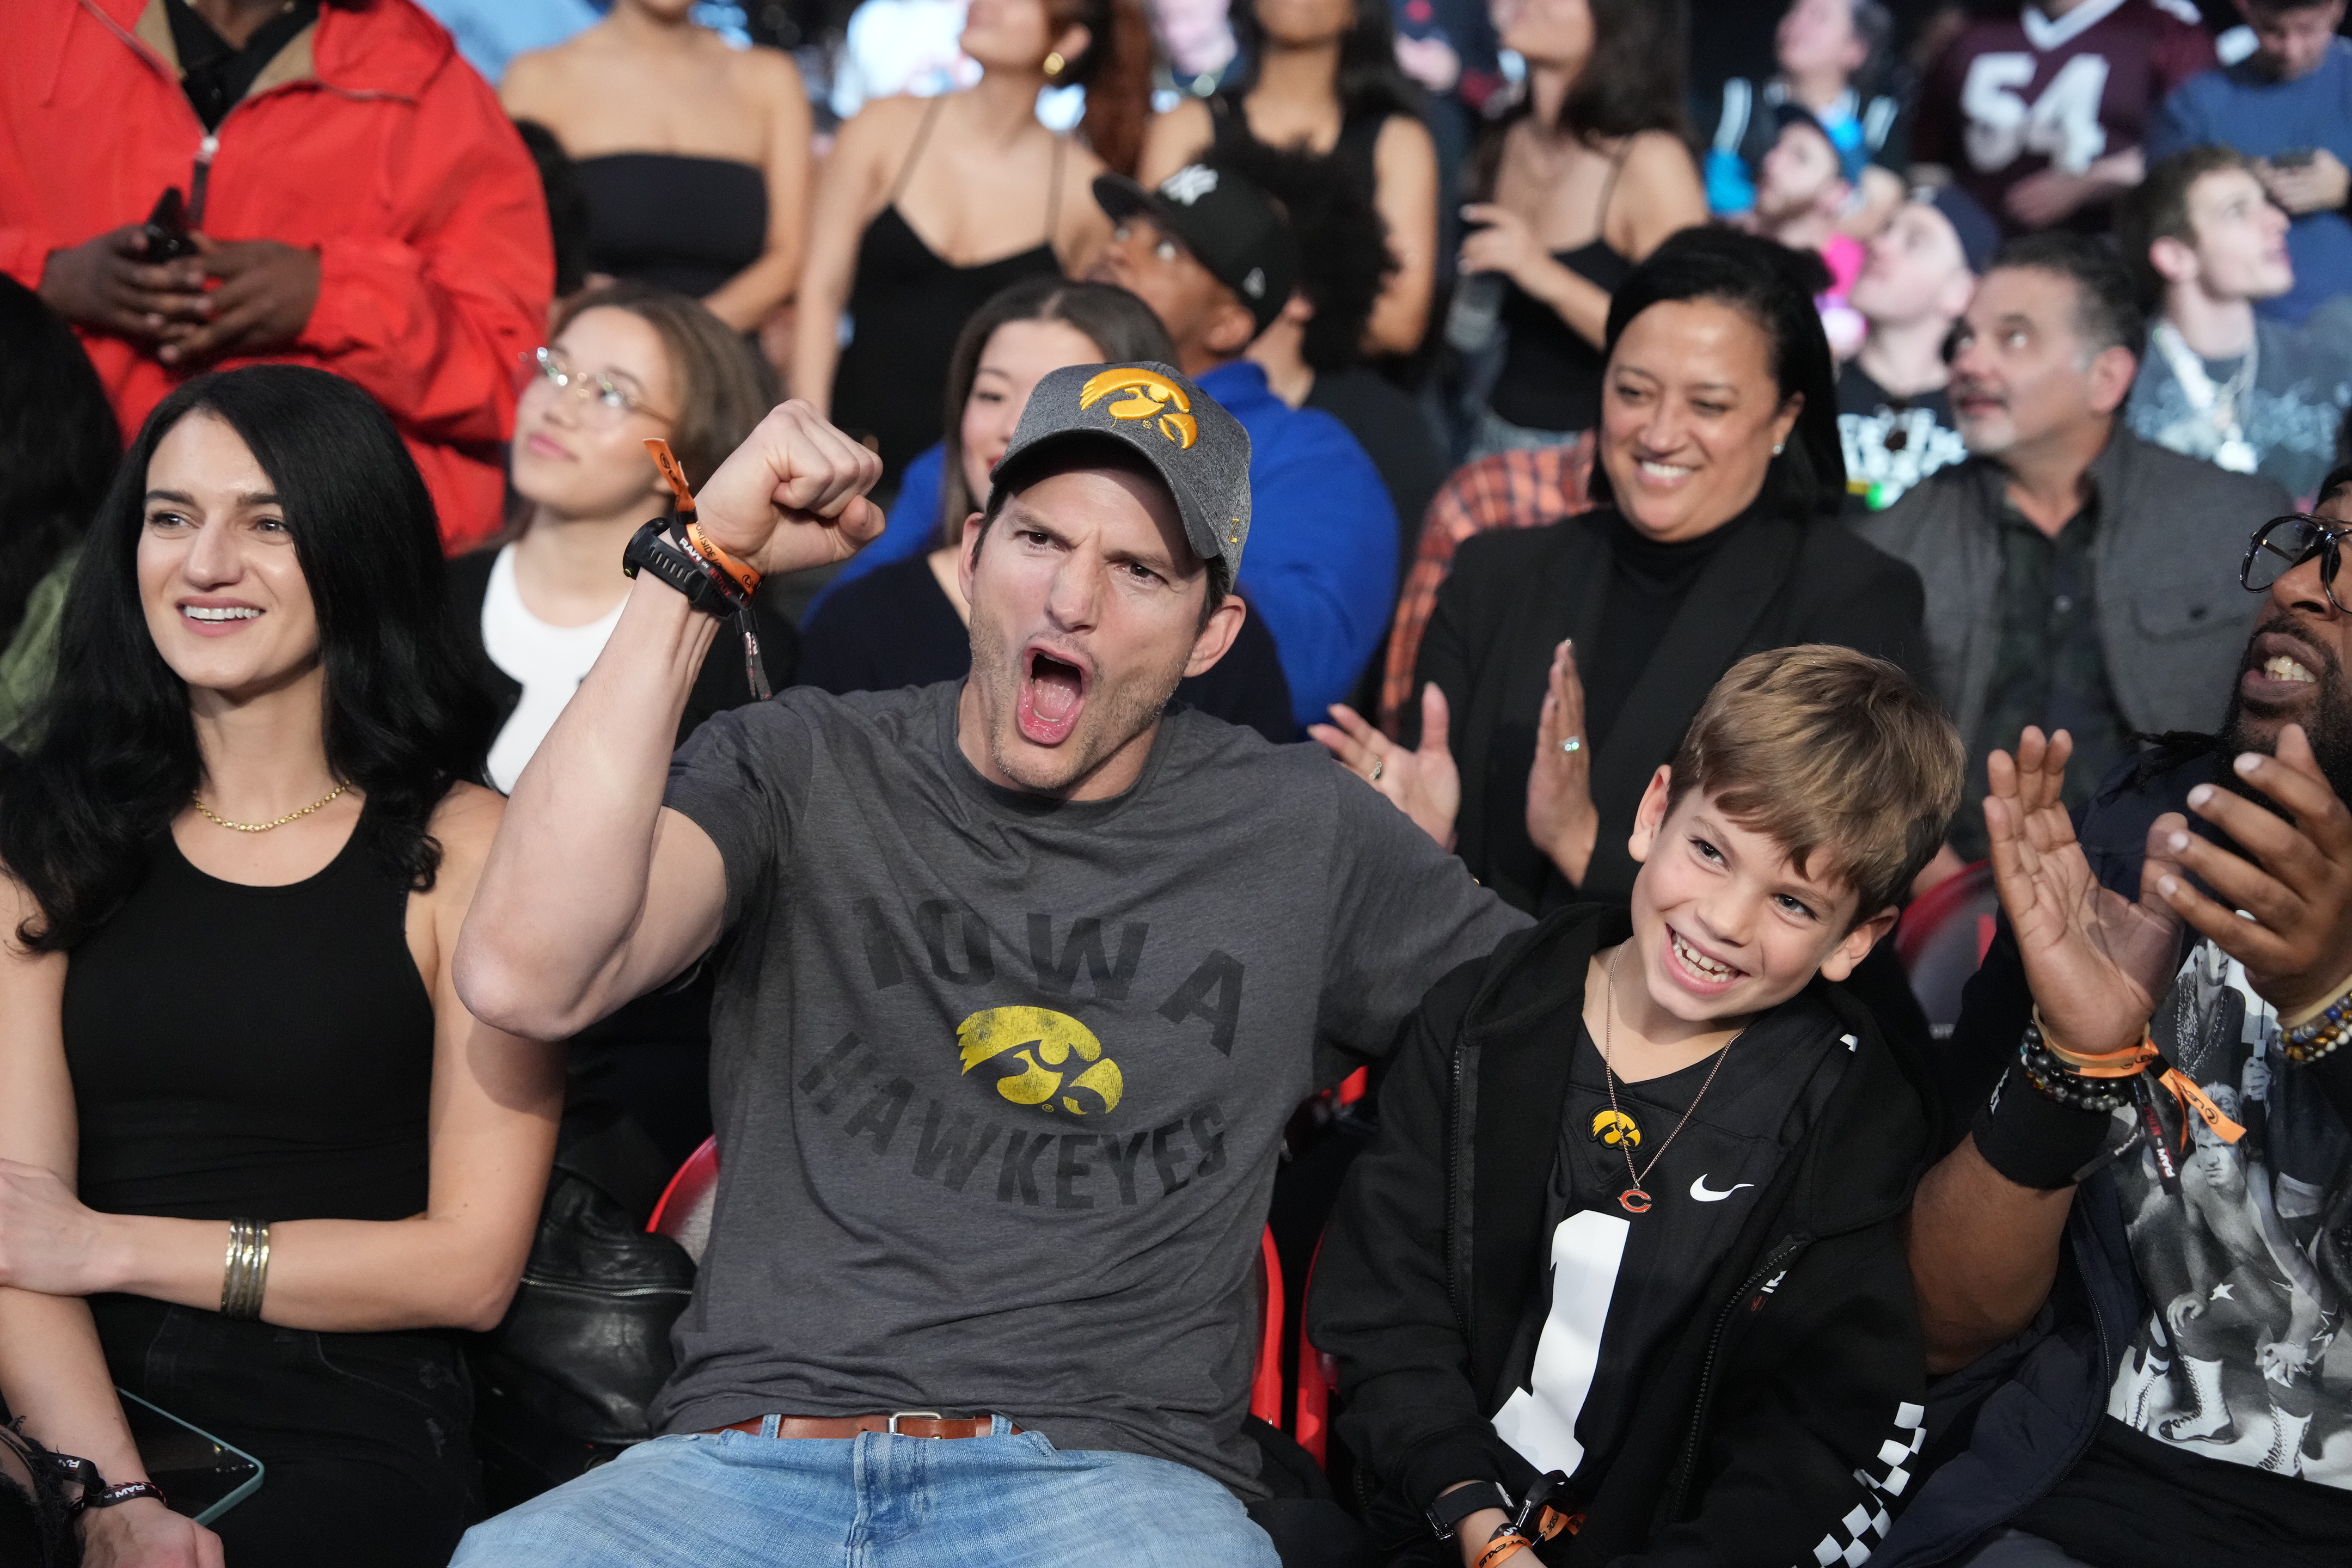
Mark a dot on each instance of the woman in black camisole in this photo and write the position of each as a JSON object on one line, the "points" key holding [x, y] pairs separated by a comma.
{"points": [[1322, 75], [255, 1158], [929, 207], [1586, 179]]}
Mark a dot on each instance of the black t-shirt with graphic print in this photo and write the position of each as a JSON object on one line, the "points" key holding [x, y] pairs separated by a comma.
{"points": [[1000, 1081], [2228, 1430], [1891, 443], [1622, 1283]]}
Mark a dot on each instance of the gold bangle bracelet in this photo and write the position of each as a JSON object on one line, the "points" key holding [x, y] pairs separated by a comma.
{"points": [[245, 1276]]}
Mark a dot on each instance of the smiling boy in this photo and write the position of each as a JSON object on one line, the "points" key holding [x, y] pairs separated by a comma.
{"points": [[1634, 1215]]}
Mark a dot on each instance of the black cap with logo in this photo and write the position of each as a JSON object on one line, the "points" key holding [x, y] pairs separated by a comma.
{"points": [[1228, 222], [1198, 449]]}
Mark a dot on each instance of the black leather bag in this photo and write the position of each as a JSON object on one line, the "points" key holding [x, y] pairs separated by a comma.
{"points": [[567, 1378]]}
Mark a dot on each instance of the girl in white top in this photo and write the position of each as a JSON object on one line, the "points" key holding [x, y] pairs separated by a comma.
{"points": [[625, 362]]}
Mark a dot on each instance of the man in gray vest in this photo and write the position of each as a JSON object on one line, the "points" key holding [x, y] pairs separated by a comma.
{"points": [[2078, 577]]}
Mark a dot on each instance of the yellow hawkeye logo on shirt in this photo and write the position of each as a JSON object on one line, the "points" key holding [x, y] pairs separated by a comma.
{"points": [[1616, 1127], [1149, 397], [1042, 1058]]}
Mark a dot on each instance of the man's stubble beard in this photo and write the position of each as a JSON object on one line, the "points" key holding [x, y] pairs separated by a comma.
{"points": [[2327, 724], [1116, 713]]}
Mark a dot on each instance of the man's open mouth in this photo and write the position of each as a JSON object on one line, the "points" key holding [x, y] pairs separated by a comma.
{"points": [[1052, 694]]}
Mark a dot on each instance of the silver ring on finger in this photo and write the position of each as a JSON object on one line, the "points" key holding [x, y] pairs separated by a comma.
{"points": [[1573, 745], [1380, 766]]}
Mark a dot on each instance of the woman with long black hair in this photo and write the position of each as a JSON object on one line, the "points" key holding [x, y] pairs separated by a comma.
{"points": [[254, 1155], [1320, 75], [58, 444]]}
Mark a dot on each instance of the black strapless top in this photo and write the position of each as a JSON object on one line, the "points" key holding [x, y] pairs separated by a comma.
{"points": [[683, 223]]}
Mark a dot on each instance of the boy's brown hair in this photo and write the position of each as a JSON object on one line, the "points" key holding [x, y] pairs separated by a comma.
{"points": [[1824, 750]]}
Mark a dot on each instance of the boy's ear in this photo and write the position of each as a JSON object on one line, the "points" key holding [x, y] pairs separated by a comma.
{"points": [[1652, 815], [1847, 955]]}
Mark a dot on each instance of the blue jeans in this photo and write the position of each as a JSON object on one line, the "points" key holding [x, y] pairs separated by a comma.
{"points": [[1012, 1500]]}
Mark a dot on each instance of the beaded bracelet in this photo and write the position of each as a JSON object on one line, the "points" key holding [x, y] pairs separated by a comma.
{"points": [[2056, 1080], [2303, 1053], [2331, 1018]]}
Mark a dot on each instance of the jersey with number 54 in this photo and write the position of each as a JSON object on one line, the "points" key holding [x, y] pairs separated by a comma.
{"points": [[2017, 94]]}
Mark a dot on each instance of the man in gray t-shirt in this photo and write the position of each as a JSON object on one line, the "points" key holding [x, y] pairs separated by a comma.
{"points": [[1018, 981]]}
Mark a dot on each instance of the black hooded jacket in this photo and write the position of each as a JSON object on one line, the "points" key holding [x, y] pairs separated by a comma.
{"points": [[1775, 1424]]}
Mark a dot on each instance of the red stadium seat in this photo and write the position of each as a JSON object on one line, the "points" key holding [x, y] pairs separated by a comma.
{"points": [[1943, 938], [683, 1214], [1317, 1374]]}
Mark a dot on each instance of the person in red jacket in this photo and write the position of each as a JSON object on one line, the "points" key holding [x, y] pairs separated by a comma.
{"points": [[358, 201]]}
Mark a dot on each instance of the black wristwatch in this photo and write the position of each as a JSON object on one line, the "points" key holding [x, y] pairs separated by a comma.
{"points": [[1459, 1504], [652, 549]]}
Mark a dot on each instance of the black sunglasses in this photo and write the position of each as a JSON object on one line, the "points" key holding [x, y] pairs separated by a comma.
{"points": [[2283, 543]]}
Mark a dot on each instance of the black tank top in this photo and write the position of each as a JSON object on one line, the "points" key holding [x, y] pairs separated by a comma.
{"points": [[907, 306], [1354, 154], [253, 1052], [1550, 378], [680, 222]]}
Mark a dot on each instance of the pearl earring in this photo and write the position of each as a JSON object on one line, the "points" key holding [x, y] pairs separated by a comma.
{"points": [[1779, 447], [1053, 63]]}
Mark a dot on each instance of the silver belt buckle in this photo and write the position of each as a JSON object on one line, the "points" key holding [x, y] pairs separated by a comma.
{"points": [[898, 1416]]}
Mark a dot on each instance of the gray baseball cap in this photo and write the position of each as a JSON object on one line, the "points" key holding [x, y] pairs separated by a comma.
{"points": [[1199, 451]]}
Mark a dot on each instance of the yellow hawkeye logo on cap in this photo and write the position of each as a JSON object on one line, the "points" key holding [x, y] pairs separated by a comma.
{"points": [[1150, 396]]}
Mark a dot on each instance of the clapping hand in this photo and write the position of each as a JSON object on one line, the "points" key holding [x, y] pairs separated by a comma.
{"points": [[792, 495], [1561, 821], [2294, 880], [2095, 960], [1424, 782]]}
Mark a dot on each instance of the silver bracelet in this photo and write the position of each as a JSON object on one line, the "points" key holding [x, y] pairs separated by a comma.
{"points": [[246, 1275]]}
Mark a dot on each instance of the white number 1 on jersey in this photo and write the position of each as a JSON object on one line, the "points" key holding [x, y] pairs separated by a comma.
{"points": [[2063, 124]]}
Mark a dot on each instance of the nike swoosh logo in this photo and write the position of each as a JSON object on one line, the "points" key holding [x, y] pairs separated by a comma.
{"points": [[1700, 1191]]}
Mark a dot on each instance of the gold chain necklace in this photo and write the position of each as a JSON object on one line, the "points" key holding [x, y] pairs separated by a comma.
{"points": [[1633, 1200], [330, 799]]}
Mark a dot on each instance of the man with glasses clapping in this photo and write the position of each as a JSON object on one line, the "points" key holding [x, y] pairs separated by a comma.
{"points": [[2150, 1214]]}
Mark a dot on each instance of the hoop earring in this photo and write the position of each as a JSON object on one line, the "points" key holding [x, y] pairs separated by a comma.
{"points": [[1055, 64]]}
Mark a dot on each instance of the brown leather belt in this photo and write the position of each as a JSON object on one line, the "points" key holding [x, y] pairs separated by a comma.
{"points": [[901, 1423]]}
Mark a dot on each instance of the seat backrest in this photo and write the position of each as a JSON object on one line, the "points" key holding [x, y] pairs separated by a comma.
{"points": [[684, 1212], [1943, 938], [1265, 1382]]}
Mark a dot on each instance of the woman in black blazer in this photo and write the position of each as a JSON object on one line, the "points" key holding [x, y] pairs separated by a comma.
{"points": [[1562, 663]]}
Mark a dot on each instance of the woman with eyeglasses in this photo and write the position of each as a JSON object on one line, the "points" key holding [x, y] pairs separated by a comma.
{"points": [[626, 362], [257, 1159]]}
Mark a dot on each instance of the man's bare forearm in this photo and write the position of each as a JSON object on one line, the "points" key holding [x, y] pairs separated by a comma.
{"points": [[557, 936], [1984, 1251]]}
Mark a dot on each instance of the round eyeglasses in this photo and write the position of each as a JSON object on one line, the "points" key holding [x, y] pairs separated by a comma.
{"points": [[2283, 543], [606, 401]]}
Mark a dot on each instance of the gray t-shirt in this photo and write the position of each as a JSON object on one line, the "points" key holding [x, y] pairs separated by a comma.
{"points": [[1000, 1081]]}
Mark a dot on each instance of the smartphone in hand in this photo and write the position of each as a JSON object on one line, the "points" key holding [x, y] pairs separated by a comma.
{"points": [[168, 238]]}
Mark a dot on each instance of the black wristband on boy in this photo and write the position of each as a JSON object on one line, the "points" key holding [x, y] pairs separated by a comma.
{"points": [[2032, 1140]]}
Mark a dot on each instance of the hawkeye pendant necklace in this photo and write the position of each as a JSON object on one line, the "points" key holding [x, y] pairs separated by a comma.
{"points": [[1633, 1199]]}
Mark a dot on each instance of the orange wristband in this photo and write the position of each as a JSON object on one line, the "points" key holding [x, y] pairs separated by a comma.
{"points": [[745, 578], [1506, 1545]]}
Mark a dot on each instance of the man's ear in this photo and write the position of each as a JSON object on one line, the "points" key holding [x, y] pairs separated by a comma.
{"points": [[2174, 262], [2112, 370], [1230, 331], [1299, 310], [1848, 954], [1651, 815], [973, 527], [1217, 637]]}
